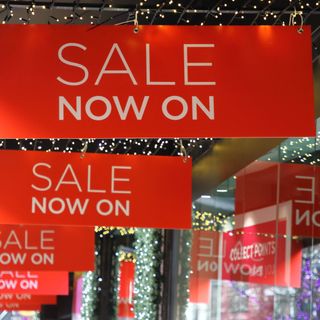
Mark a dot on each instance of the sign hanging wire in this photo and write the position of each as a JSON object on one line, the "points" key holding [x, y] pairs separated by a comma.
{"points": [[136, 22], [183, 152], [84, 149], [293, 22]]}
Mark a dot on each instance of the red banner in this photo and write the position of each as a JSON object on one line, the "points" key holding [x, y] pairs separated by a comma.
{"points": [[27, 298], [37, 283], [295, 188], [117, 190], [17, 306], [214, 83], [46, 248]]}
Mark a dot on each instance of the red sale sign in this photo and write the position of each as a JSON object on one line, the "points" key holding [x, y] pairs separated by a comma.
{"points": [[37, 283], [119, 190], [46, 248], [18, 306], [27, 298], [202, 90], [294, 185]]}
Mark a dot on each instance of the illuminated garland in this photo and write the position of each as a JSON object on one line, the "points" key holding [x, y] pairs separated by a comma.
{"points": [[146, 286], [89, 296], [184, 275]]}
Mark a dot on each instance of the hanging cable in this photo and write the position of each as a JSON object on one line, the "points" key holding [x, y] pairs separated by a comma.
{"points": [[293, 22]]}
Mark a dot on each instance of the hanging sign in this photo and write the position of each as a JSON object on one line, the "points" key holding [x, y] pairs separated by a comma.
{"points": [[46, 248], [293, 187], [111, 82], [117, 190], [17, 306], [300, 183], [37, 283], [27, 298]]}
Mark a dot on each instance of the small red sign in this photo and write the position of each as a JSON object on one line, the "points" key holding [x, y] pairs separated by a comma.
{"points": [[27, 298], [19, 306], [36, 283], [31, 247], [295, 187], [99, 189]]}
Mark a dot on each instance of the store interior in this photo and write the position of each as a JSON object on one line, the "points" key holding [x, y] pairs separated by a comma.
{"points": [[254, 200]]}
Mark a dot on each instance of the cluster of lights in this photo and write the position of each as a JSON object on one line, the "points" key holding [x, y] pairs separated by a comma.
{"points": [[119, 230], [297, 150], [127, 257], [210, 221]]}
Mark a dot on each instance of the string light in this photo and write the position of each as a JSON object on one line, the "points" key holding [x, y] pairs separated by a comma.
{"points": [[146, 283], [226, 9], [89, 296]]}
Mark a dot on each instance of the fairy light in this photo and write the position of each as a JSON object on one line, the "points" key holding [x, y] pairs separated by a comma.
{"points": [[160, 10]]}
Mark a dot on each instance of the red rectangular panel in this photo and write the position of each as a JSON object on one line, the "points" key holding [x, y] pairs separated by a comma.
{"points": [[99, 189], [37, 283], [261, 184], [27, 298], [111, 82], [19, 306], [32, 247], [259, 258]]}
